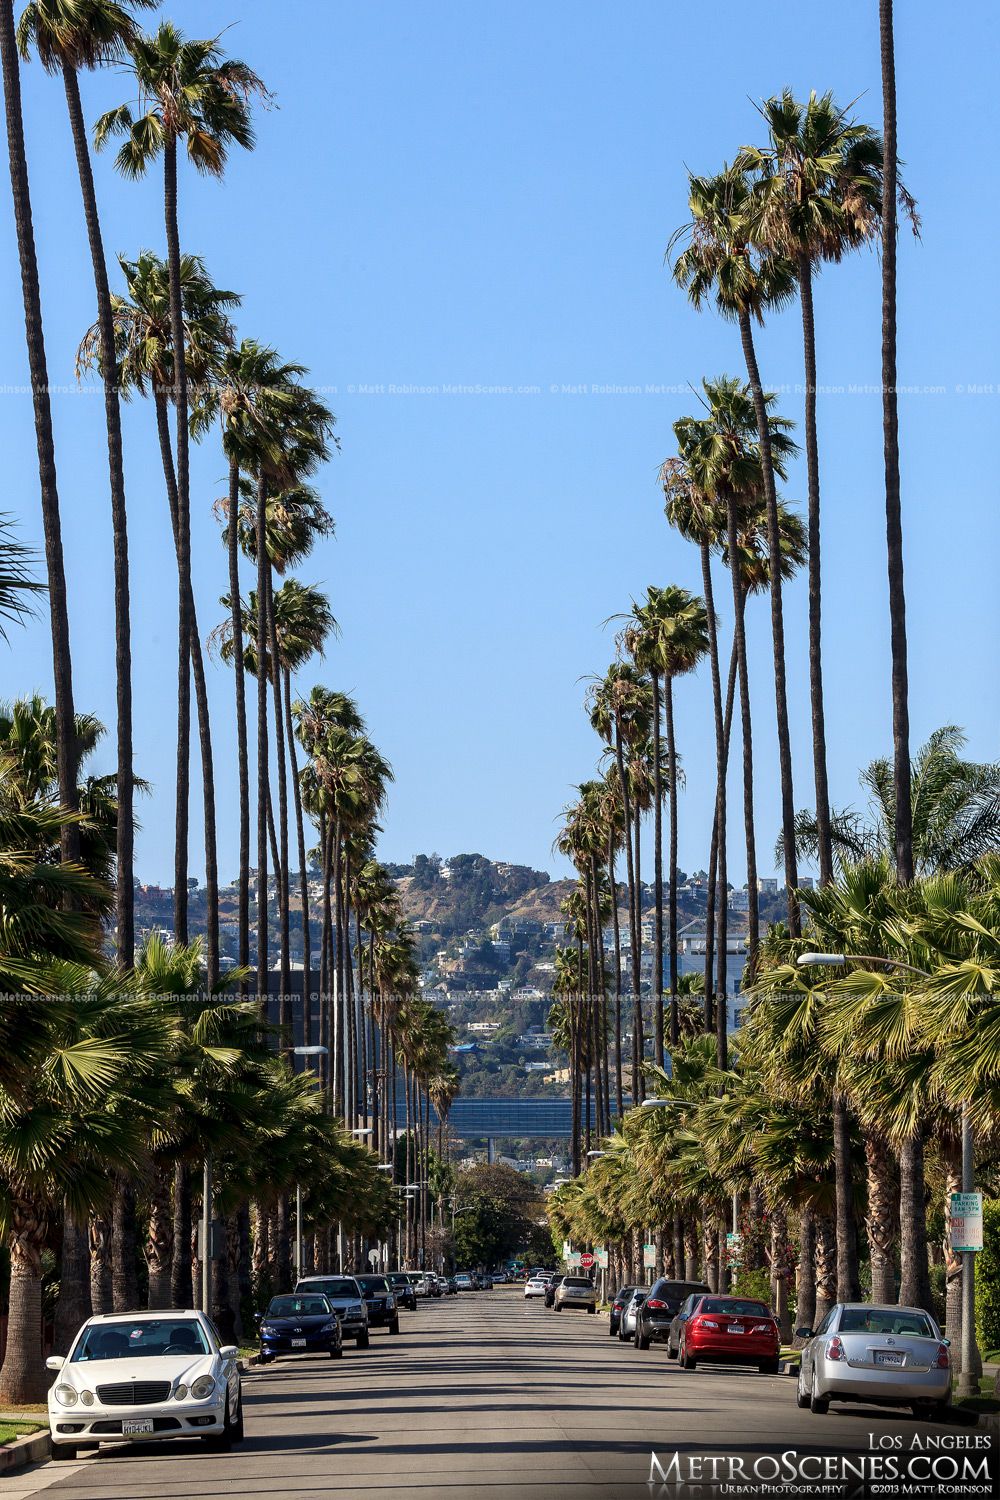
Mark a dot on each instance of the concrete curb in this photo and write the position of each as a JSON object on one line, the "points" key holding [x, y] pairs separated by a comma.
{"points": [[35, 1448]]}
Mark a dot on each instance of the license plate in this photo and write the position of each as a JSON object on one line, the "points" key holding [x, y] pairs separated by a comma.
{"points": [[138, 1427], [298, 1343], [887, 1357], [736, 1328]]}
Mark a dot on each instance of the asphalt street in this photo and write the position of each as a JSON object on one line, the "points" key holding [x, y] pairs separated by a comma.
{"points": [[481, 1395]]}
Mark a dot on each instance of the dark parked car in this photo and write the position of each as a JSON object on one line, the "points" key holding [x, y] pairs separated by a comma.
{"points": [[303, 1324], [550, 1290], [619, 1302], [345, 1297], [381, 1304], [680, 1317], [402, 1289], [652, 1325]]}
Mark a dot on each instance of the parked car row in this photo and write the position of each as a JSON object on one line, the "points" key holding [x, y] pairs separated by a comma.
{"points": [[559, 1291], [884, 1355]]}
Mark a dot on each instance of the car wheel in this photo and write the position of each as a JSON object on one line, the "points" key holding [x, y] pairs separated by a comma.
{"points": [[557, 1306], [686, 1362], [238, 1433], [801, 1394], [362, 1341], [768, 1367], [591, 1309], [265, 1359], [612, 1332], [394, 1326], [219, 1442], [337, 1352], [818, 1405], [671, 1351], [931, 1411], [642, 1341]]}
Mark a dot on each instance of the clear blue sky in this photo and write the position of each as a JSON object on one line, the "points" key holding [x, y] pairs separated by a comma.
{"points": [[473, 195]]}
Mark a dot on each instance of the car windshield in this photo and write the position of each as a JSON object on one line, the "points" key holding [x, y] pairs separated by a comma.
{"points": [[735, 1307], [335, 1287], [145, 1338], [624, 1294], [885, 1320], [297, 1307], [372, 1285], [399, 1278]]}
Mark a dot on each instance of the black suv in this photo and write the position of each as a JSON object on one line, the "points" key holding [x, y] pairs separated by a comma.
{"points": [[380, 1302], [653, 1320], [402, 1289]]}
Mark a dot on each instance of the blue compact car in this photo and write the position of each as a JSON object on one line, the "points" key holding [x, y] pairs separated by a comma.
{"points": [[303, 1323]]}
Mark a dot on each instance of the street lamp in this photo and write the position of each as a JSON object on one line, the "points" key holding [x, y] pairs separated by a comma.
{"points": [[967, 1381], [594, 1155], [303, 1052], [662, 1104]]}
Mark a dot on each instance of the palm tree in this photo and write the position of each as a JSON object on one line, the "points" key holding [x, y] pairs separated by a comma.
{"points": [[69, 35], [62, 662], [187, 91], [955, 811], [143, 341], [16, 583], [669, 638], [724, 458], [721, 262], [890, 434], [820, 197]]}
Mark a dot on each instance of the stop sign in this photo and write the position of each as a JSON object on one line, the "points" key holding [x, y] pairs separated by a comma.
{"points": [[586, 1260]]}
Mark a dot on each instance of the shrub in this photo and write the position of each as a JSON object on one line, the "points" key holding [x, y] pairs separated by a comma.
{"points": [[988, 1278]]}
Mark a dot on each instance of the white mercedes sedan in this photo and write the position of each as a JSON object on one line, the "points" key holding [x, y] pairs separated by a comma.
{"points": [[139, 1377]]}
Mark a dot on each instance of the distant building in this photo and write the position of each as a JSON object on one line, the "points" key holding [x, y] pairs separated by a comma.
{"points": [[766, 886]]}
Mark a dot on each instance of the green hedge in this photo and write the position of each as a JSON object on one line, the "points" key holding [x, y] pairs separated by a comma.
{"points": [[988, 1278]]}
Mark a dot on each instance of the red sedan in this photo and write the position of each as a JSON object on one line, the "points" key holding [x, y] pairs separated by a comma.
{"points": [[731, 1331]]}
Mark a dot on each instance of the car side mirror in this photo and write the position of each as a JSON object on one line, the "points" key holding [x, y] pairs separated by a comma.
{"points": [[803, 1333], [228, 1351], [54, 1362], [683, 1317], [946, 1343]]}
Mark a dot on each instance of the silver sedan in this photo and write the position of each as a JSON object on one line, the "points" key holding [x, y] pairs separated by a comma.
{"points": [[889, 1356], [626, 1327]]}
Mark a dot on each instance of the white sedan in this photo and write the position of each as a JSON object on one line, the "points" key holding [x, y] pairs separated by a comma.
{"points": [[536, 1286], [139, 1377]]}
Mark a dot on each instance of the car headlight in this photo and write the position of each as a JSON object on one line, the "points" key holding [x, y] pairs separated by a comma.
{"points": [[180, 1393], [390, 1303], [329, 1327], [66, 1395], [267, 1329], [87, 1397], [357, 1311], [202, 1387]]}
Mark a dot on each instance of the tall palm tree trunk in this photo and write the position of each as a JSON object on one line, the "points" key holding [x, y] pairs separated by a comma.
{"points": [[633, 930], [719, 830], [125, 782], [914, 1280], [124, 1278], [300, 834], [817, 709], [668, 696], [618, 971], [777, 627], [181, 1289], [882, 1223], [639, 1042], [848, 1277], [242, 756], [183, 542], [23, 1378], [159, 1241], [285, 980], [67, 752], [658, 884], [890, 436], [99, 1235], [73, 1306], [263, 567], [201, 704]]}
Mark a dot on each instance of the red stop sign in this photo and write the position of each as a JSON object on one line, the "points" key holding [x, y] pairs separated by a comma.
{"points": [[586, 1260]]}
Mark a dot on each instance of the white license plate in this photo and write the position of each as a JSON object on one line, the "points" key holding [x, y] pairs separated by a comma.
{"points": [[736, 1328], [298, 1343], [887, 1357], [137, 1428]]}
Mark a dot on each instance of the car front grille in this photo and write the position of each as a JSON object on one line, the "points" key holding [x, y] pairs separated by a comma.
{"points": [[114, 1425], [134, 1393]]}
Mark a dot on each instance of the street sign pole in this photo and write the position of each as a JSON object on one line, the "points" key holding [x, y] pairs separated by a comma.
{"points": [[968, 1380]]}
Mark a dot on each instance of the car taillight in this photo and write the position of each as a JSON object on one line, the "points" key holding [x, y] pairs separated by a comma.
{"points": [[655, 1302], [704, 1323], [943, 1357], [763, 1328], [834, 1349]]}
